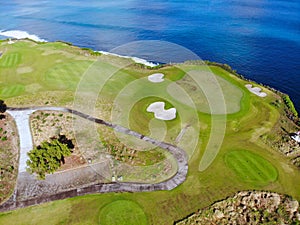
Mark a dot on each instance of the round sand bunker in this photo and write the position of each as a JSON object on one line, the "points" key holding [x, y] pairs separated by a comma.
{"points": [[158, 108], [156, 77]]}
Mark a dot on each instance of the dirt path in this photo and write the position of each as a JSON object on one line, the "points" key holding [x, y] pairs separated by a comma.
{"points": [[21, 115]]}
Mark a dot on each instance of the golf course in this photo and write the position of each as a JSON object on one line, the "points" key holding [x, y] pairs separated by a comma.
{"points": [[132, 124]]}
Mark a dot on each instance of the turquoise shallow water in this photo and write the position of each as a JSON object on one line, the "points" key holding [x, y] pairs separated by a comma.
{"points": [[261, 39]]}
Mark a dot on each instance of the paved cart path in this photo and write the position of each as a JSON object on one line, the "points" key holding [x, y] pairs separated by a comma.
{"points": [[21, 116]]}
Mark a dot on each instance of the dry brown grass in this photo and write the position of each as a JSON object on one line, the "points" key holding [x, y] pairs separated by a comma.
{"points": [[9, 154], [47, 124]]}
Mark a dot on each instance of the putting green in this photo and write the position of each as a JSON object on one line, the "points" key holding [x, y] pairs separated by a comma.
{"points": [[251, 167], [10, 60], [145, 122], [122, 212], [208, 91], [128, 93], [12, 91]]}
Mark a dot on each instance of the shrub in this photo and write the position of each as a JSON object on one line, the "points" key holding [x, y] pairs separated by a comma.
{"points": [[4, 138], [47, 157], [288, 102]]}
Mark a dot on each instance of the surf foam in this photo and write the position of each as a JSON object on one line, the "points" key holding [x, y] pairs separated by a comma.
{"points": [[135, 59], [19, 34]]}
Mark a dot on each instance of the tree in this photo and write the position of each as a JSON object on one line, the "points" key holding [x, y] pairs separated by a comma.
{"points": [[47, 157], [3, 106], [63, 139]]}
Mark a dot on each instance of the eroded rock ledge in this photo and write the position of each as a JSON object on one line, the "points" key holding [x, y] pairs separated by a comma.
{"points": [[249, 207]]}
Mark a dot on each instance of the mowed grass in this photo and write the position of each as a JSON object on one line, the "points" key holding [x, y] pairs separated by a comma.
{"points": [[251, 167], [12, 90], [52, 66], [243, 129], [31, 216], [198, 191], [10, 60], [65, 75], [141, 122], [208, 90], [122, 212]]}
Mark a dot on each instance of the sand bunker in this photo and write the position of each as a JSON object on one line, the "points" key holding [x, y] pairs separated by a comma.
{"points": [[158, 108], [256, 90], [156, 77]]}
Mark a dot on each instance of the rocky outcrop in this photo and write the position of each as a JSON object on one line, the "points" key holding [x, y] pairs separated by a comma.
{"points": [[249, 208]]}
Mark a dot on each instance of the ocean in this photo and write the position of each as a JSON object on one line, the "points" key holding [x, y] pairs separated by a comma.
{"points": [[258, 38]]}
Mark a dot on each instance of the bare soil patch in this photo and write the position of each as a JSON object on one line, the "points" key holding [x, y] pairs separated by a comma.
{"points": [[26, 69]]}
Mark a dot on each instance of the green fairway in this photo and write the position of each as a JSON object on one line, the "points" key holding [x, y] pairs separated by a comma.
{"points": [[208, 92], [31, 215], [215, 114], [30, 69], [251, 167], [122, 212], [12, 90], [10, 60], [140, 119], [66, 75]]}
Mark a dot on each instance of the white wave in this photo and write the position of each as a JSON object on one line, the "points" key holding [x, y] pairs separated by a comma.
{"points": [[19, 34], [135, 59]]}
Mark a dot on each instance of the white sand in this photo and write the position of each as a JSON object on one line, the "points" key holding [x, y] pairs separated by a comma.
{"points": [[256, 90], [156, 77], [158, 108]]}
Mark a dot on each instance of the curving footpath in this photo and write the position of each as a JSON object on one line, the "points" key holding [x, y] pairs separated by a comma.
{"points": [[178, 153]]}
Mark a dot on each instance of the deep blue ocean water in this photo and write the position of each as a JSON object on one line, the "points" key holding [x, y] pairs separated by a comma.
{"points": [[258, 38]]}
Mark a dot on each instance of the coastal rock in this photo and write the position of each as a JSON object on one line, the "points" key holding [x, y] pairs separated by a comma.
{"points": [[219, 214], [249, 208]]}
